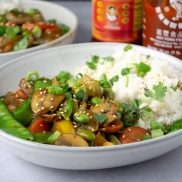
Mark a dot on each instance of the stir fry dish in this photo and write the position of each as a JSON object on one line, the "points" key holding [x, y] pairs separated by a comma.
{"points": [[20, 30], [78, 111]]}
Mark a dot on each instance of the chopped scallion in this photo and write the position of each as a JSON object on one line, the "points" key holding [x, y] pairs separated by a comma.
{"points": [[33, 76]]}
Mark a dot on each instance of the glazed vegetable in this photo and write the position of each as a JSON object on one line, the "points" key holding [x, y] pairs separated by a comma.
{"points": [[24, 113], [12, 126], [20, 30], [77, 111]]}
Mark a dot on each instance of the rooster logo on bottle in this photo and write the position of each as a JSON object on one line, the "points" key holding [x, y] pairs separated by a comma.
{"points": [[177, 5]]}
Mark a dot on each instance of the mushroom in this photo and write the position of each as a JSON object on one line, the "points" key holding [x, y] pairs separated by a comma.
{"points": [[18, 18], [104, 107], [43, 101], [108, 108], [48, 118], [26, 86], [71, 140], [12, 98], [91, 86]]}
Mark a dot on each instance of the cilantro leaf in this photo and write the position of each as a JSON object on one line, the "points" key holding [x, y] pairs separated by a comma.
{"points": [[128, 47], [142, 69], [157, 93], [125, 71], [92, 64], [100, 118], [174, 88], [108, 59], [145, 113], [81, 95], [148, 56], [114, 79], [103, 82]]}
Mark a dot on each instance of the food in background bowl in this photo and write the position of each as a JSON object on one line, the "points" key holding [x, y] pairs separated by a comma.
{"points": [[98, 106], [20, 30], [49, 11]]}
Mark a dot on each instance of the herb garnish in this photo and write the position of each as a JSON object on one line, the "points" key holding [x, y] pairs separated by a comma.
{"points": [[100, 118], [142, 69], [92, 64], [108, 59], [114, 79], [157, 93], [127, 47], [132, 112], [125, 71], [81, 95]]}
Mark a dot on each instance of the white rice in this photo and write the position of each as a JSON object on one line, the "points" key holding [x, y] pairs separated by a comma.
{"points": [[165, 112]]}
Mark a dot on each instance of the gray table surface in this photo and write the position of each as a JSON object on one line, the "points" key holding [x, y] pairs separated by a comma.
{"points": [[166, 168]]}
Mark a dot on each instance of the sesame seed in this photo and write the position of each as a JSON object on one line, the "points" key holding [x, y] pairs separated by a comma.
{"points": [[129, 129], [52, 98], [114, 116], [51, 107], [42, 108], [123, 136], [102, 110], [37, 104]]}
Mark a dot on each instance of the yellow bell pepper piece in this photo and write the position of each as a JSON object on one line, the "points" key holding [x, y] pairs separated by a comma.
{"points": [[63, 126]]}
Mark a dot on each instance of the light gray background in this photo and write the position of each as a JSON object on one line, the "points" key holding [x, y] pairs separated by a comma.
{"points": [[167, 168]]}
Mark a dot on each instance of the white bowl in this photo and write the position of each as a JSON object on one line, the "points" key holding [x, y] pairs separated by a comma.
{"points": [[49, 11], [49, 63]]}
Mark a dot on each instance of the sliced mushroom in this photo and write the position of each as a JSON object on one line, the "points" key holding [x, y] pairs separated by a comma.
{"points": [[71, 140], [26, 86], [49, 118], [38, 18], [82, 106], [111, 118], [18, 18], [91, 86], [104, 107], [42, 101], [13, 99]]}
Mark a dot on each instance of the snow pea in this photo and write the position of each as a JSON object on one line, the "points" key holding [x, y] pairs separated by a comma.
{"points": [[10, 125], [24, 113]]}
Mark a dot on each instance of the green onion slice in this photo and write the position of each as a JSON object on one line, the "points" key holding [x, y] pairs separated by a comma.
{"points": [[33, 76]]}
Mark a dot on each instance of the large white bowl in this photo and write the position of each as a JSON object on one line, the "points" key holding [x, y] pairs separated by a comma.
{"points": [[51, 62], [49, 11]]}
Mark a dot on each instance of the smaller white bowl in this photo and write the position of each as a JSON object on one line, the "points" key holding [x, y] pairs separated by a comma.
{"points": [[49, 11]]}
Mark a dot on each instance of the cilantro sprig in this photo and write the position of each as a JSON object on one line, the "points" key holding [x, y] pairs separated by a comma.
{"points": [[132, 112], [158, 92], [81, 95], [93, 64], [100, 118]]}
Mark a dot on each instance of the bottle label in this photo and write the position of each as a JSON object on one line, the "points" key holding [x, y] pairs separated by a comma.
{"points": [[162, 28], [117, 20]]}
